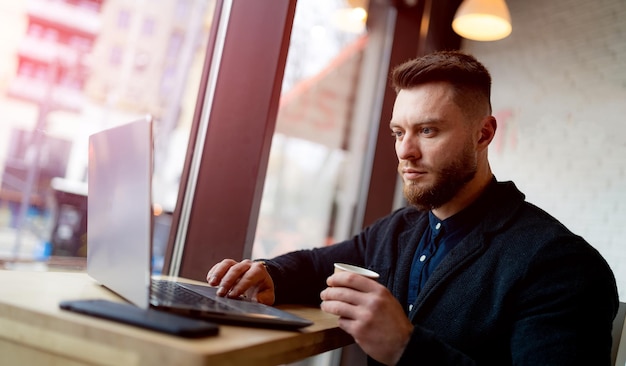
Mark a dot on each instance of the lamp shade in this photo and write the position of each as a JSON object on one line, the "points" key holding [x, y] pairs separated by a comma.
{"points": [[482, 20]]}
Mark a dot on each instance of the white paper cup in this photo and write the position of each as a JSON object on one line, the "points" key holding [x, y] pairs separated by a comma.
{"points": [[342, 267]]}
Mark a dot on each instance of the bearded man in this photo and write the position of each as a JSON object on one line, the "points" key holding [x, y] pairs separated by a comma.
{"points": [[470, 273]]}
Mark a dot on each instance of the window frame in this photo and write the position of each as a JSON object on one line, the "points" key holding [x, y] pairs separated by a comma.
{"points": [[223, 176]]}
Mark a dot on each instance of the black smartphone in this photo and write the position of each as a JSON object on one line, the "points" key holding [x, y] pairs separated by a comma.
{"points": [[145, 318]]}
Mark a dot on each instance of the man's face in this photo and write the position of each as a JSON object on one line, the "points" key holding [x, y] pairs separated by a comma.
{"points": [[434, 144]]}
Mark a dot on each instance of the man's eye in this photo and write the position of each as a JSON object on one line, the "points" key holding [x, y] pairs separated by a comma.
{"points": [[396, 134], [427, 131]]}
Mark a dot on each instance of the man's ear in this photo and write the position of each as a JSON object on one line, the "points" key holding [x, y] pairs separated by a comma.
{"points": [[488, 128]]}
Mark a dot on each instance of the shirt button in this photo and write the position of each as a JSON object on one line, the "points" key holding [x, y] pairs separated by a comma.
{"points": [[438, 226], [422, 258]]}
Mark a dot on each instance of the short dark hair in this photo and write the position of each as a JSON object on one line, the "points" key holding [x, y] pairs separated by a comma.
{"points": [[466, 74]]}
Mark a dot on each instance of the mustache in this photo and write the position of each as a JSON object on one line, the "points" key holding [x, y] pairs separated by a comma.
{"points": [[408, 167]]}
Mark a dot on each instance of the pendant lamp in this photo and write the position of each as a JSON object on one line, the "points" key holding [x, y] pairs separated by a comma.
{"points": [[482, 20]]}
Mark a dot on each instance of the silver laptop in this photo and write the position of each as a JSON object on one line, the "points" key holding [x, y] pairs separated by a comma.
{"points": [[120, 228]]}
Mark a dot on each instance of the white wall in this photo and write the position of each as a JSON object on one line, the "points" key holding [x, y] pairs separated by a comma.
{"points": [[559, 93]]}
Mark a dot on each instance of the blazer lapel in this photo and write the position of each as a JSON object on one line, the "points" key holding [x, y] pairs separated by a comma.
{"points": [[406, 247], [471, 247]]}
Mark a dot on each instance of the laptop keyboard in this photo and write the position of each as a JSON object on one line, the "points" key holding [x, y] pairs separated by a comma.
{"points": [[204, 300], [171, 293]]}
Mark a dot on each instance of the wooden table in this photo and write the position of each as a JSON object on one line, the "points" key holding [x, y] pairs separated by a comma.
{"points": [[34, 331]]}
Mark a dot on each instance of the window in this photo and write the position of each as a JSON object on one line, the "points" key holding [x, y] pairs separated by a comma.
{"points": [[115, 58], [310, 190], [101, 90], [123, 19], [147, 27], [168, 79], [182, 10]]}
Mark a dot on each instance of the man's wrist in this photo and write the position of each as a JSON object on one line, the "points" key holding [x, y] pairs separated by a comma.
{"points": [[268, 268], [261, 261]]}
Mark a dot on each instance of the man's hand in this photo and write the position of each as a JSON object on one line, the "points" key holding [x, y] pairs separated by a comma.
{"points": [[370, 313], [245, 278]]}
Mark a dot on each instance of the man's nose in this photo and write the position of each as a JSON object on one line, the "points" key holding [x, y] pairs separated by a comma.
{"points": [[407, 149]]}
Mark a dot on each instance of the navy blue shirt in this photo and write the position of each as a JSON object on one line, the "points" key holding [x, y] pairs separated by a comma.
{"points": [[438, 240]]}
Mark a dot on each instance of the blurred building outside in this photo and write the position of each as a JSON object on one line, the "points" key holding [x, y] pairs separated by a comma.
{"points": [[115, 61]]}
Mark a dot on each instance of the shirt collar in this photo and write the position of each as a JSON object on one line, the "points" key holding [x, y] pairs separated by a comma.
{"points": [[465, 219]]}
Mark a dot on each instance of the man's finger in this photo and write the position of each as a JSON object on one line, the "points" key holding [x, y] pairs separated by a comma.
{"points": [[215, 274]]}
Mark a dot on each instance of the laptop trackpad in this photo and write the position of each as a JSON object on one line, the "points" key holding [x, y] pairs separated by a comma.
{"points": [[248, 310], [248, 307]]}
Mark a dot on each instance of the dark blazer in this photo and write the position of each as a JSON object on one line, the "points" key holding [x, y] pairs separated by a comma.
{"points": [[520, 289]]}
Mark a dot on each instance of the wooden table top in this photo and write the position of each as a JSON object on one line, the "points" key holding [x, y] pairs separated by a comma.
{"points": [[33, 328]]}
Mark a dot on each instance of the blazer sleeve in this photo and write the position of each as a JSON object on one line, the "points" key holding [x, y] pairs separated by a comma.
{"points": [[300, 276]]}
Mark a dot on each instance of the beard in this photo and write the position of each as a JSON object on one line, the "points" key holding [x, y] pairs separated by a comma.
{"points": [[449, 179]]}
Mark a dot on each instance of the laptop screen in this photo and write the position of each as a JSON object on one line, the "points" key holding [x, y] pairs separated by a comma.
{"points": [[119, 209]]}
